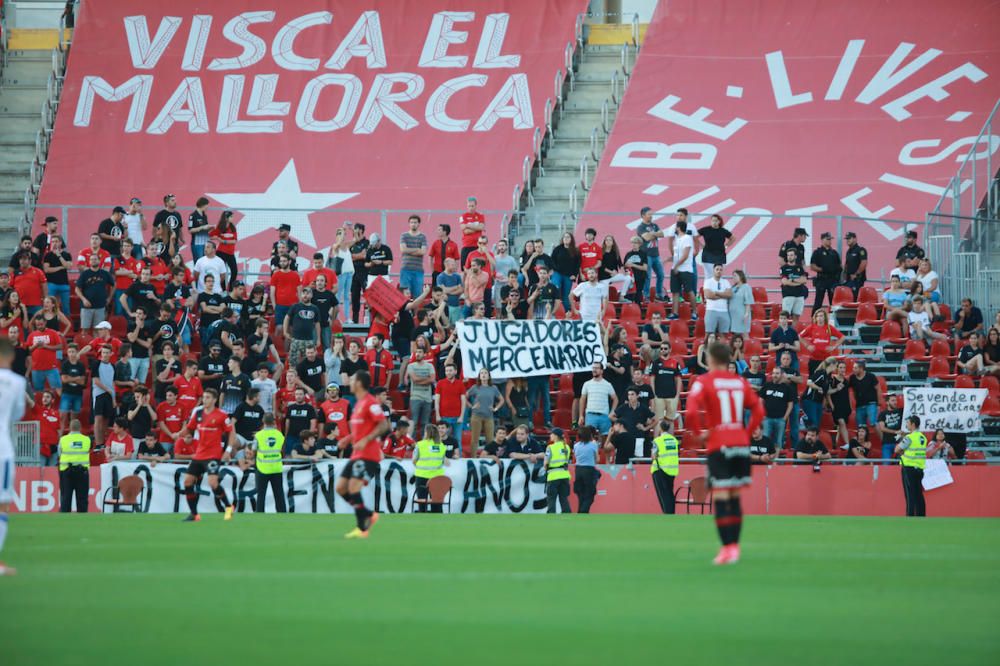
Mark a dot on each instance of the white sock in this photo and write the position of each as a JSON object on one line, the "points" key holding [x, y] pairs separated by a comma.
{"points": [[3, 529]]}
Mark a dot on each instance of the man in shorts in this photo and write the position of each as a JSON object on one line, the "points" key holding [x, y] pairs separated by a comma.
{"points": [[367, 425], [715, 407], [212, 424]]}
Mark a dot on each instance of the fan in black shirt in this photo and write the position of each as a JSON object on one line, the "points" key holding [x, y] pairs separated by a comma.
{"points": [[312, 371], [248, 417]]}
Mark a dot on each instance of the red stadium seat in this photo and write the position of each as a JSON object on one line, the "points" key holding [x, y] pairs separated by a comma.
{"points": [[940, 368], [868, 314], [679, 329], [991, 384], [916, 351], [892, 333], [868, 295], [942, 348], [964, 382], [975, 458], [655, 307], [684, 311], [992, 406], [610, 312], [757, 330], [679, 345], [759, 295], [843, 297], [753, 346], [630, 312]]}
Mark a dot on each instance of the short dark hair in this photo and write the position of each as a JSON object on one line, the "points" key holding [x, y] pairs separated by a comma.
{"points": [[318, 255], [446, 228], [414, 217], [202, 201], [644, 210], [720, 353], [358, 226], [914, 419], [362, 377], [590, 232], [682, 210]]}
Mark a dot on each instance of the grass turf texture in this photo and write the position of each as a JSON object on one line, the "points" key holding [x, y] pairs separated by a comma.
{"points": [[479, 590]]}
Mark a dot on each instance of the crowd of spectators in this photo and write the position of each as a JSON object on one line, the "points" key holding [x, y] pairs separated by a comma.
{"points": [[142, 320]]}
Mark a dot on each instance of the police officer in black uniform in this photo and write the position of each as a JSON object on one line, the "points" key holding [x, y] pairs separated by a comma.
{"points": [[855, 263], [825, 263], [798, 244], [910, 254]]}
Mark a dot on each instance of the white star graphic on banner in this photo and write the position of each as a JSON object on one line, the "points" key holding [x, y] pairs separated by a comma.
{"points": [[283, 193]]}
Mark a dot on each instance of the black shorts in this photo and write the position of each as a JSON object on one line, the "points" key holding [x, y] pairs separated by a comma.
{"points": [[579, 379], [103, 407], [681, 282], [729, 467], [199, 468], [366, 470]]}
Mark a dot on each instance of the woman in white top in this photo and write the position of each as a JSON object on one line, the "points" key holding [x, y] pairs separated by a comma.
{"points": [[929, 279], [341, 250]]}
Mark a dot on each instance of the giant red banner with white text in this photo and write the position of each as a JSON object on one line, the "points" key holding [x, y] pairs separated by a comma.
{"points": [[328, 107], [801, 109]]}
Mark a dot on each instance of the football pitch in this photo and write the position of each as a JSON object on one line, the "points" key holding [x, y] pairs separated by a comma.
{"points": [[600, 589]]}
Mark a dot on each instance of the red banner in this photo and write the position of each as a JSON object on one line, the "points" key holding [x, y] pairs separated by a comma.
{"points": [[753, 109], [384, 298], [403, 105]]}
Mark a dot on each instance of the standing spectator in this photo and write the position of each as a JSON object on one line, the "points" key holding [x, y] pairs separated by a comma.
{"points": [[909, 256], [141, 295], [300, 416], [839, 399], [210, 264], [503, 265], [166, 368], [451, 284], [25, 248], [450, 401], [865, 387], [542, 296], [335, 412], [635, 416], [784, 339], [379, 362], [285, 287], [716, 240], [591, 253], [682, 272], [484, 400], [412, 248], [102, 393], [212, 367], [798, 244], [590, 298], [111, 230], [301, 327], [285, 240], [42, 244], [740, 304], [642, 388], [73, 375], [198, 227], [890, 425], [343, 267], [224, 236], [666, 372], [169, 218], [855, 264], [754, 374], [825, 263], [778, 401], [247, 415], [312, 372], [637, 263], [566, 266], [939, 447], [30, 284], [619, 445], [326, 303], [43, 343], [516, 393], [795, 378], [93, 288], [820, 339], [474, 285], [651, 234], [598, 401], [359, 256], [421, 377], [483, 254], [585, 455], [378, 258], [141, 339], [969, 320], [717, 291], [441, 249], [472, 224], [920, 323], [536, 261], [793, 285], [169, 418], [47, 416], [538, 395], [56, 264], [816, 391]]}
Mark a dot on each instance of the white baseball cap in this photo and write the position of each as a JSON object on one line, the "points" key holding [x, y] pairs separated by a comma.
{"points": [[104, 324]]}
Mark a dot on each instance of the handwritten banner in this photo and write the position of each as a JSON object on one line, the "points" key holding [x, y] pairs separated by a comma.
{"points": [[948, 409], [527, 348]]}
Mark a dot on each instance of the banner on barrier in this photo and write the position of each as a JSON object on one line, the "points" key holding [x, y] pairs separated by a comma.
{"points": [[951, 410], [530, 347], [480, 486]]}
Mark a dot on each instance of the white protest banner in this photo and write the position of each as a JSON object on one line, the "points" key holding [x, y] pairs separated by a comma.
{"points": [[480, 486], [529, 347], [950, 409], [936, 474]]}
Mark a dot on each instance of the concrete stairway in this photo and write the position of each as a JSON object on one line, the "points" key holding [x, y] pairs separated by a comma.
{"points": [[22, 94], [572, 142]]}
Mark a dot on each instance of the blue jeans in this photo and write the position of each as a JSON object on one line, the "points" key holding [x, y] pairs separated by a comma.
{"points": [[867, 415], [198, 247], [793, 424], [280, 311], [887, 450], [39, 377], [538, 388], [814, 412], [344, 293], [33, 310], [325, 336], [61, 292], [564, 283], [600, 421], [457, 427], [774, 430], [656, 265], [70, 403], [412, 280], [139, 368]]}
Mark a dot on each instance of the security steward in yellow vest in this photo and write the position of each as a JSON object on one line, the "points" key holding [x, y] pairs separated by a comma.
{"points": [[666, 464], [429, 459], [74, 469], [557, 472], [268, 443], [912, 450]]}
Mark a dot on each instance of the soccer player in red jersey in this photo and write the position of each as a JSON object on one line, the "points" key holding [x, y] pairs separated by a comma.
{"points": [[368, 423], [211, 423], [715, 407]]}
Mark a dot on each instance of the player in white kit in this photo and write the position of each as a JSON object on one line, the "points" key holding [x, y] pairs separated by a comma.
{"points": [[12, 402]]}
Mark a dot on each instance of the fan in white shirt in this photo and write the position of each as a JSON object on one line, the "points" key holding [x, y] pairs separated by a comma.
{"points": [[590, 298]]}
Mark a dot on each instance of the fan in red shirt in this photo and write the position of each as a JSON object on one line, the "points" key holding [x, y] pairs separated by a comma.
{"points": [[284, 285], [189, 389], [119, 444], [441, 249], [47, 416], [126, 271], [159, 274], [83, 259], [471, 224], [379, 361], [591, 252], [335, 412], [368, 423], [43, 344], [398, 444], [309, 277], [169, 417], [715, 407], [29, 282], [211, 425], [821, 339]]}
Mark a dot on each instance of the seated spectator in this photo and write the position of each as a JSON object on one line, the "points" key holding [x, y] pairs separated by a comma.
{"points": [[184, 447], [398, 444], [929, 280], [969, 320], [920, 323], [152, 449], [305, 447], [738, 355], [991, 352], [917, 291], [939, 447], [119, 442], [906, 276], [811, 449], [896, 300], [495, 449], [522, 446], [971, 359], [859, 447], [762, 450]]}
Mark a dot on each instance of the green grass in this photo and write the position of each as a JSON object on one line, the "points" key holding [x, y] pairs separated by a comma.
{"points": [[619, 590]]}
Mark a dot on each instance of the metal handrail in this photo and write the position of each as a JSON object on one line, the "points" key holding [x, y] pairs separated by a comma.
{"points": [[526, 173], [536, 146], [568, 62], [578, 31], [614, 88], [635, 30], [956, 181], [585, 174], [573, 200], [624, 60], [595, 143], [605, 118]]}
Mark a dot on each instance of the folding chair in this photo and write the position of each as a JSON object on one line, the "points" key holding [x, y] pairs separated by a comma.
{"points": [[131, 491], [439, 490], [698, 494]]}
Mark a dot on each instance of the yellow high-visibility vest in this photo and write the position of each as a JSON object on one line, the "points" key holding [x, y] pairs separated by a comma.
{"points": [[916, 454], [429, 461], [269, 445], [74, 449], [665, 456], [558, 461]]}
